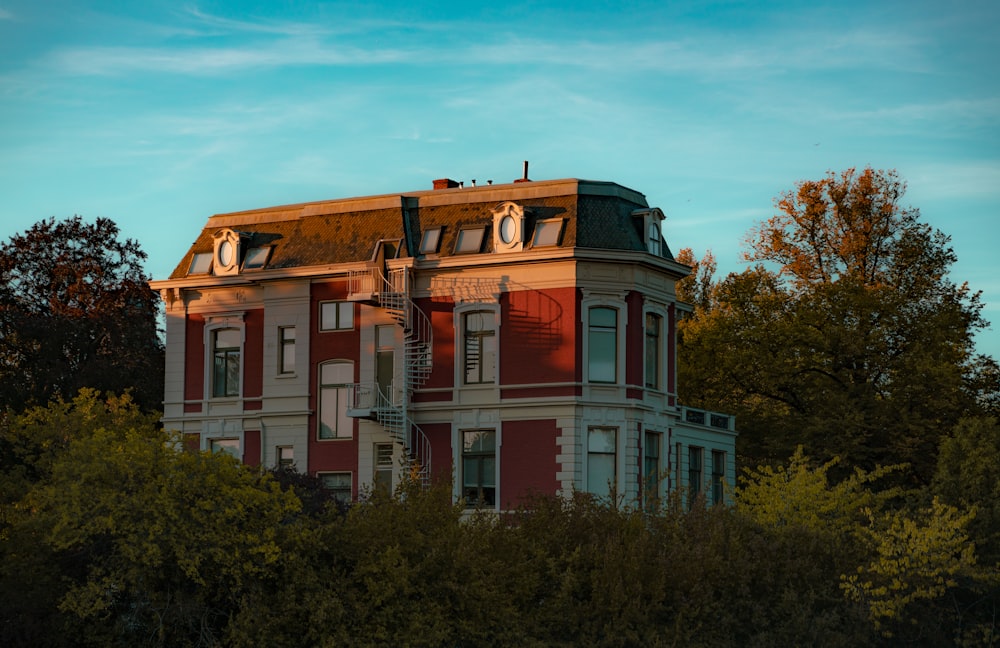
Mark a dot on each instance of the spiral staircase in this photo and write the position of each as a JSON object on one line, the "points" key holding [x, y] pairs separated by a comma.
{"points": [[390, 289]]}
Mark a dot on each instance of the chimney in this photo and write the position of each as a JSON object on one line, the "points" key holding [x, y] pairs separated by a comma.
{"points": [[524, 178], [445, 183]]}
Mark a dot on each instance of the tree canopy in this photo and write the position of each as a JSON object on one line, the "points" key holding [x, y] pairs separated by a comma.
{"points": [[76, 311], [845, 334]]}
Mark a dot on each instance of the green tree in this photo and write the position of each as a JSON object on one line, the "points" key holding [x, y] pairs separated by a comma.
{"points": [[139, 541], [847, 336], [76, 311]]}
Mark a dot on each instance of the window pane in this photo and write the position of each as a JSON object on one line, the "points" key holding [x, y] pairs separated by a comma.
{"points": [[547, 233], [469, 240], [603, 353], [229, 446], [328, 406], [604, 317], [200, 263], [345, 315], [429, 243], [600, 473], [256, 258], [227, 338], [652, 351], [345, 424]]}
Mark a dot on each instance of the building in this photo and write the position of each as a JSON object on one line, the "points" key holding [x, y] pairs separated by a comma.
{"points": [[514, 338]]}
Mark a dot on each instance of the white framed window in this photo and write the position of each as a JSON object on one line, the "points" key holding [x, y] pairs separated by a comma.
{"points": [[696, 467], [339, 484], [201, 263], [336, 316], [430, 242], [602, 344], [548, 232], [226, 347], [284, 456], [382, 481], [602, 460], [479, 468], [651, 468], [479, 352], [470, 240], [718, 476], [655, 242], [229, 445], [256, 258], [286, 349], [334, 380], [653, 365]]}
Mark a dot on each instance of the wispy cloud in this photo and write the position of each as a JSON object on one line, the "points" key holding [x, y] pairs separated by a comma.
{"points": [[5, 15]]}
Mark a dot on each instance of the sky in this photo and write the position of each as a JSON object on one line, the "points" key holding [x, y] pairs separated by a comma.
{"points": [[158, 114]]}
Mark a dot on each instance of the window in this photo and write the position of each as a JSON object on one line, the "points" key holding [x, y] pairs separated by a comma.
{"points": [[655, 239], [694, 472], [602, 352], [469, 240], [286, 457], [286, 349], [651, 469], [229, 446], [338, 484], [718, 475], [601, 461], [479, 466], [480, 347], [226, 362], [653, 350], [547, 232], [256, 258], [431, 241], [383, 468], [336, 316], [201, 263], [334, 378]]}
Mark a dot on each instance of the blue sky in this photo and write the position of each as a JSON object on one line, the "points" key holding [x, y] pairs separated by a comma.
{"points": [[159, 114]]}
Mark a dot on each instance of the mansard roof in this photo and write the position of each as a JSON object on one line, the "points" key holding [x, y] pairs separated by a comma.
{"points": [[596, 215]]}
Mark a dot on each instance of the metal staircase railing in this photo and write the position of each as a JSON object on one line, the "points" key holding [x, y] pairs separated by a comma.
{"points": [[391, 291]]}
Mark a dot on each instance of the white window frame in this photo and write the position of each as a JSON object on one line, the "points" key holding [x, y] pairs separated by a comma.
{"points": [[548, 232], [651, 499], [280, 461], [662, 373], [616, 302], [283, 350], [459, 458], [615, 484], [341, 307], [459, 323], [430, 241], [350, 481], [343, 394], [212, 326], [380, 466]]}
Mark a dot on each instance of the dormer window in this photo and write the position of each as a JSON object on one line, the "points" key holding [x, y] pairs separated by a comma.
{"points": [[201, 263], [548, 232], [508, 227], [256, 258], [470, 241], [431, 241], [648, 221]]}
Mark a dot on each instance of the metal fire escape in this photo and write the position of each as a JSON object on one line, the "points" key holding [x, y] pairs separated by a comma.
{"points": [[389, 289]]}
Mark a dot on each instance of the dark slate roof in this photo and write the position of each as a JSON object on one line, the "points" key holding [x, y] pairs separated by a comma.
{"points": [[598, 215]]}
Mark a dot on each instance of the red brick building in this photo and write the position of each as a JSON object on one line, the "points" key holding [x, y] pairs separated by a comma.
{"points": [[512, 338]]}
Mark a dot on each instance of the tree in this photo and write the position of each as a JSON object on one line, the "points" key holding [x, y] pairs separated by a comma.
{"points": [[76, 311], [846, 335]]}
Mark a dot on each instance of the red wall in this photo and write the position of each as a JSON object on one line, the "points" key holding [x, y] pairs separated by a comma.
{"points": [[251, 447], [194, 358], [439, 435], [635, 345], [527, 460], [538, 335], [253, 353]]}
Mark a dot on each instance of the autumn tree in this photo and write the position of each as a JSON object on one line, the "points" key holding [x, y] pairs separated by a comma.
{"points": [[76, 311], [845, 335]]}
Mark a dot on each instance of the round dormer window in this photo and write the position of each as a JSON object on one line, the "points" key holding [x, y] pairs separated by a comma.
{"points": [[226, 253], [508, 229]]}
